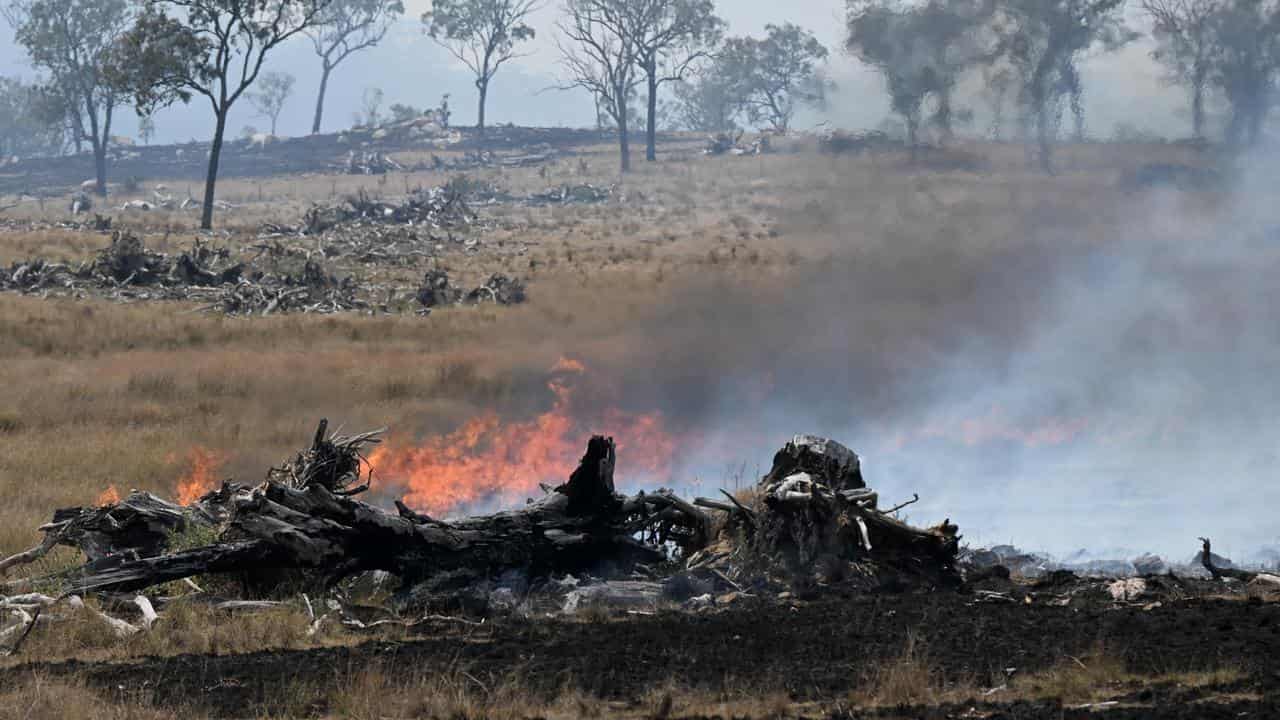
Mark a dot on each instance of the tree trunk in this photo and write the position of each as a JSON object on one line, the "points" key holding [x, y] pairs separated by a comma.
{"points": [[651, 133], [624, 141], [1043, 140], [100, 157], [943, 115], [1197, 109], [483, 86], [211, 179], [913, 123], [324, 85], [98, 137], [100, 166]]}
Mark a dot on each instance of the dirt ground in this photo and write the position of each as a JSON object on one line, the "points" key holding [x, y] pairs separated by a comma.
{"points": [[813, 653]]}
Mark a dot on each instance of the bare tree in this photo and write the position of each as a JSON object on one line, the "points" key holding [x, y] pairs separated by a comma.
{"points": [[481, 34], [274, 90], [669, 36], [71, 41], [1183, 30], [599, 57], [212, 48], [346, 27], [1041, 40]]}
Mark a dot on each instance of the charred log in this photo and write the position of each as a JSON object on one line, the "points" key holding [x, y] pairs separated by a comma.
{"points": [[316, 527], [1218, 572]]}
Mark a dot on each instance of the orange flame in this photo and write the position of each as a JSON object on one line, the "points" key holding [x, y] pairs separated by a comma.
{"points": [[489, 460], [110, 496], [202, 477]]}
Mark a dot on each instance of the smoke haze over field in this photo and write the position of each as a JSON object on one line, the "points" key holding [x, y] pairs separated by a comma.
{"points": [[1116, 391]]}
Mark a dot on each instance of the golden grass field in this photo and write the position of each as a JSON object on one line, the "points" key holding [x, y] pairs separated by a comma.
{"points": [[98, 394]]}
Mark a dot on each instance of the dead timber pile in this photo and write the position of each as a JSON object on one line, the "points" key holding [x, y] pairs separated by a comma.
{"points": [[439, 207], [578, 544], [840, 142], [480, 159], [812, 519], [126, 270], [731, 144], [313, 290], [580, 194], [438, 290]]}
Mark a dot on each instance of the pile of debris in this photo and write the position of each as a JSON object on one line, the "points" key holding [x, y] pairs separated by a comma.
{"points": [[812, 519], [481, 159], [126, 270], [438, 207], [312, 290], [584, 193], [369, 163], [438, 290], [578, 544], [127, 266], [731, 144], [839, 142]]}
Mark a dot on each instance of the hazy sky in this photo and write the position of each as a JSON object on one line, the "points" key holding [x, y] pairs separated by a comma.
{"points": [[410, 69]]}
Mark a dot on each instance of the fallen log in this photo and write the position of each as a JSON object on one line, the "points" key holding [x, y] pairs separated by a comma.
{"points": [[1206, 559], [580, 526], [811, 517]]}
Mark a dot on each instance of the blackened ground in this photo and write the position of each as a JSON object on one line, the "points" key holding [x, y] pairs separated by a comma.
{"points": [[817, 651], [307, 154]]}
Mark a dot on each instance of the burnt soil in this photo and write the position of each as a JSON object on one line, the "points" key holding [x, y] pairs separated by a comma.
{"points": [[815, 651], [285, 156]]}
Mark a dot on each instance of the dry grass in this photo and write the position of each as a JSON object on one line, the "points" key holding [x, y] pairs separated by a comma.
{"points": [[186, 627], [59, 699], [911, 679]]}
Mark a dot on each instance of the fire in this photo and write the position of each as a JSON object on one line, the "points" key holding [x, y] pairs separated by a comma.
{"points": [[110, 496], [490, 460], [202, 477]]}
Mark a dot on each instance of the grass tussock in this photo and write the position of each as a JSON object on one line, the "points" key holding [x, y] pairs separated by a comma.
{"points": [[185, 627], [912, 678], [1103, 675], [377, 692]]}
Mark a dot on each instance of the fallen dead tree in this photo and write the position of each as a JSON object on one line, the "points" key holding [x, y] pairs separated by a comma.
{"points": [[307, 520], [1218, 571], [440, 207], [811, 513], [438, 290]]}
